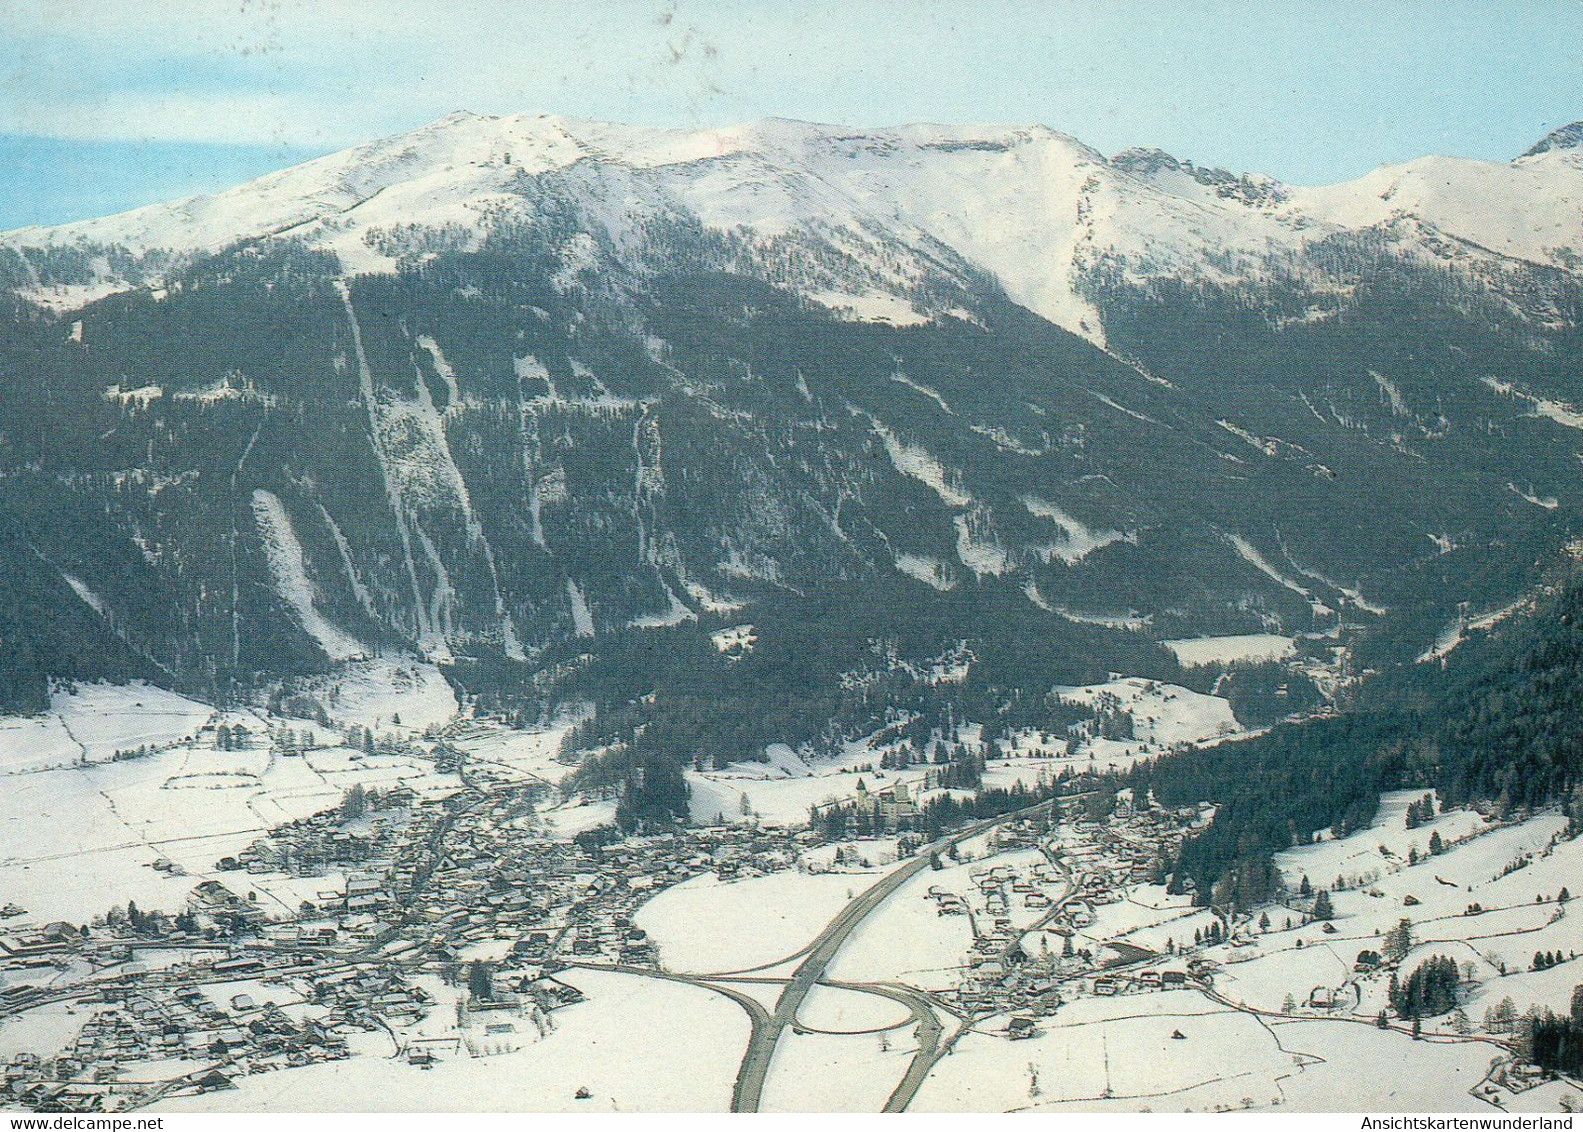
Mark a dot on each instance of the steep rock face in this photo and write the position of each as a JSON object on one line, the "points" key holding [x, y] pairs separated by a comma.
{"points": [[504, 384]]}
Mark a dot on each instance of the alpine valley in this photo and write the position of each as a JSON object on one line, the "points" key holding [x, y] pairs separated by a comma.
{"points": [[419, 558]]}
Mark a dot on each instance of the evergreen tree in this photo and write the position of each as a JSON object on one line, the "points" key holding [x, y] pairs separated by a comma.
{"points": [[1429, 991], [481, 980], [1399, 941]]}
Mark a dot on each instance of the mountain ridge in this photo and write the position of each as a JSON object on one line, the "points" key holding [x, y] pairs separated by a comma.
{"points": [[1564, 137], [1034, 209]]}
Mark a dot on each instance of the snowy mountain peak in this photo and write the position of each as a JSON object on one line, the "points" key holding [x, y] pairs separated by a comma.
{"points": [[1568, 137], [866, 222]]}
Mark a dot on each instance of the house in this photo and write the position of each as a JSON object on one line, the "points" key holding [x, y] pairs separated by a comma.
{"points": [[1020, 1028], [551, 992], [30, 947], [238, 965]]}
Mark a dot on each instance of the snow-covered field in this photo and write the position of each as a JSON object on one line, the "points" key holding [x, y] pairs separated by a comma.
{"points": [[709, 925], [576, 815], [1488, 901], [1120, 1054], [774, 799], [1118, 1048], [88, 723], [531, 752], [838, 1010], [1193, 651], [1384, 846], [80, 831], [824, 1073], [1148, 917], [1163, 714], [1352, 1067], [43, 1030], [78, 840]]}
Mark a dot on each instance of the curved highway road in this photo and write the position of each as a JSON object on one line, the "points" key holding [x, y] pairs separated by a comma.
{"points": [[761, 1047]]}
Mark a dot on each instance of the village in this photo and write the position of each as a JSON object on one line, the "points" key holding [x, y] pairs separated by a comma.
{"points": [[470, 889], [432, 923], [455, 919]]}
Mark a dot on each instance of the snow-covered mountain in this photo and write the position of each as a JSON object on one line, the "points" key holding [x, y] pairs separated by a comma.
{"points": [[504, 389], [898, 212]]}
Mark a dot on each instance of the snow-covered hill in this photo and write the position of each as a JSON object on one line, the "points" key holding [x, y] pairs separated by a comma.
{"points": [[898, 217]]}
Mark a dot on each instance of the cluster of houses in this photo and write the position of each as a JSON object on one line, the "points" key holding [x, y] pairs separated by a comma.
{"points": [[410, 886], [218, 904], [502, 877], [422, 889], [333, 840], [1086, 864], [999, 972], [132, 1031], [450, 875], [364, 996], [1132, 845]]}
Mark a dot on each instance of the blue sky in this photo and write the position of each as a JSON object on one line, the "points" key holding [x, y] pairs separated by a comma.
{"points": [[112, 103]]}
